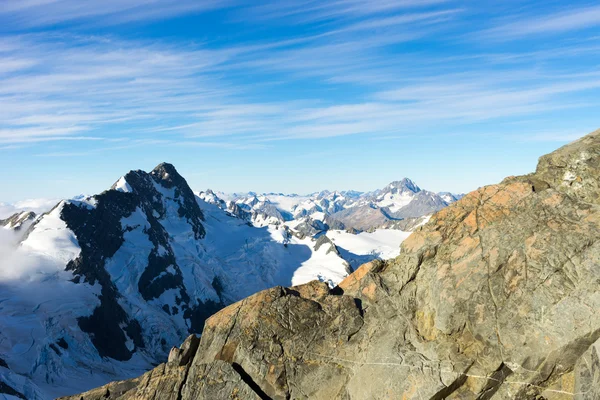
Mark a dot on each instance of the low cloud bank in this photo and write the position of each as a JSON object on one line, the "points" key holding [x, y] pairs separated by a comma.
{"points": [[16, 264], [38, 206]]}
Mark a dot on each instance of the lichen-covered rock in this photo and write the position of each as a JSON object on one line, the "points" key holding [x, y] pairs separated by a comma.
{"points": [[175, 380], [496, 297]]}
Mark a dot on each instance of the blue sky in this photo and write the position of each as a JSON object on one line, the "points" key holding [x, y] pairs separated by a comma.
{"points": [[290, 96]]}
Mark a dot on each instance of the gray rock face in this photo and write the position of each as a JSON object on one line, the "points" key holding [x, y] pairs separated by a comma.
{"points": [[362, 217], [496, 297], [369, 218], [310, 227], [183, 355]]}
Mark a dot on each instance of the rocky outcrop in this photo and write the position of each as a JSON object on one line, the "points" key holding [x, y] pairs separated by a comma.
{"points": [[496, 297], [323, 240], [310, 227]]}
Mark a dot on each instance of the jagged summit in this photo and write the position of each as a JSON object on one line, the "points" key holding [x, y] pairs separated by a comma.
{"points": [[496, 297], [450, 197], [164, 173], [167, 175], [402, 185], [165, 168]]}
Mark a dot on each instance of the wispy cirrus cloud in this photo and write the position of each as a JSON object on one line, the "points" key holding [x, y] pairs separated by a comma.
{"points": [[138, 143], [57, 86], [99, 83], [170, 91], [309, 11], [40, 13], [67, 87], [565, 20]]}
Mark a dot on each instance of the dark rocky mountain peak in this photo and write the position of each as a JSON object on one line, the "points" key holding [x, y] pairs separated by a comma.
{"points": [[402, 186], [166, 175], [353, 194], [159, 199]]}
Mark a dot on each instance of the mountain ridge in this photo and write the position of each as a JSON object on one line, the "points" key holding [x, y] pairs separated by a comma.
{"points": [[401, 200]]}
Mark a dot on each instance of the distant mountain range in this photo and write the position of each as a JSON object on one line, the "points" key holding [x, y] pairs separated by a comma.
{"points": [[401, 204]]}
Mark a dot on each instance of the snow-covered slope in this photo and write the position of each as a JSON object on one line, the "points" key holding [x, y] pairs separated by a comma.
{"points": [[363, 247]]}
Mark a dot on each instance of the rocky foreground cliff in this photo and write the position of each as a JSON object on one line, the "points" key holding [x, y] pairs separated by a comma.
{"points": [[497, 297]]}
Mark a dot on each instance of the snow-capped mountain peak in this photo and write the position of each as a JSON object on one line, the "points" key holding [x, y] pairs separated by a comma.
{"points": [[450, 197], [122, 186], [19, 221], [210, 197], [402, 186]]}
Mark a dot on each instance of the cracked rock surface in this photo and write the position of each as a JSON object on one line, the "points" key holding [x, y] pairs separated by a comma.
{"points": [[496, 297]]}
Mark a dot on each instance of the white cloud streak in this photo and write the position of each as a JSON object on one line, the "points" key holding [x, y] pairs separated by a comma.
{"points": [[40, 13], [310, 11], [563, 21]]}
